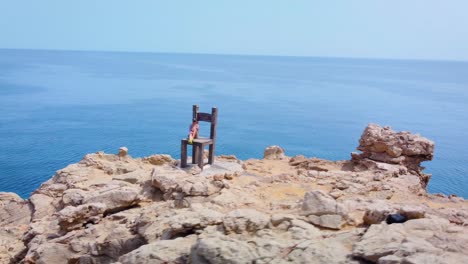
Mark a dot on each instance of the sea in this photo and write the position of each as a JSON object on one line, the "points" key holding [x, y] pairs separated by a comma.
{"points": [[57, 106]]}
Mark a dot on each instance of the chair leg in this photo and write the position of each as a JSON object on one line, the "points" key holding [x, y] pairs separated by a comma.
{"points": [[194, 154], [183, 154], [211, 154], [200, 155]]}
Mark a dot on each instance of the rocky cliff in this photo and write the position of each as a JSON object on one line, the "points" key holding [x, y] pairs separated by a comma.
{"points": [[116, 209]]}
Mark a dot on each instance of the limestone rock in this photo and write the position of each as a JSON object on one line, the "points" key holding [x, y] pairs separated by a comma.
{"points": [[49, 253], [329, 221], [411, 239], [377, 212], [300, 230], [75, 217], [15, 217], [108, 163], [11, 246], [118, 242], [134, 177], [320, 203], [172, 224], [123, 151], [115, 198], [274, 153], [160, 159], [298, 160], [245, 220], [174, 180], [316, 252], [161, 251], [385, 145], [220, 249], [73, 197], [43, 205], [14, 210]]}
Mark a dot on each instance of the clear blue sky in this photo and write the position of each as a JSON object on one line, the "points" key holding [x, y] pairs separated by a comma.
{"points": [[421, 29]]}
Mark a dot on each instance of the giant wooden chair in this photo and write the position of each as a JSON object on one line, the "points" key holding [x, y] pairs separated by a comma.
{"points": [[199, 143]]}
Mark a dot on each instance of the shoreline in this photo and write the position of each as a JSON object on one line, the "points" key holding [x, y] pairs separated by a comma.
{"points": [[116, 209]]}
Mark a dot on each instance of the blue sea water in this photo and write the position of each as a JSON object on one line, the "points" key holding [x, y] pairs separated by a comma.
{"points": [[56, 106]]}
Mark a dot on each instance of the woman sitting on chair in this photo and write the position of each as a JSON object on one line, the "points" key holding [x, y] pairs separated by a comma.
{"points": [[193, 131]]}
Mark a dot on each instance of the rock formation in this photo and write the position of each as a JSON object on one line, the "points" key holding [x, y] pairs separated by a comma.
{"points": [[116, 209], [274, 153], [382, 144]]}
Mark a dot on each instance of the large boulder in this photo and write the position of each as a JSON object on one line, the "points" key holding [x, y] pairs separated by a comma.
{"points": [[319, 203], [116, 198], [274, 153], [382, 144], [323, 210]]}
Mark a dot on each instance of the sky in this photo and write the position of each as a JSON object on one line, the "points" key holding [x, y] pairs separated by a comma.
{"points": [[395, 29]]}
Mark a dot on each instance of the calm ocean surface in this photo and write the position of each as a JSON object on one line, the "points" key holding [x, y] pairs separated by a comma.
{"points": [[56, 106]]}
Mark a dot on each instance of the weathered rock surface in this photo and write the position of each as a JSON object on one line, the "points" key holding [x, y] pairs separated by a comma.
{"points": [[123, 151], [323, 210], [382, 144], [274, 153], [76, 217], [117, 209], [245, 220], [413, 242], [173, 181], [15, 216], [162, 251]]}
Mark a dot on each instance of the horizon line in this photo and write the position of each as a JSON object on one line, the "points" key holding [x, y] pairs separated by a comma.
{"points": [[238, 54]]}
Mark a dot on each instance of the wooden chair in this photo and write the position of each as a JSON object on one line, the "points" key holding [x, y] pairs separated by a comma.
{"points": [[200, 143]]}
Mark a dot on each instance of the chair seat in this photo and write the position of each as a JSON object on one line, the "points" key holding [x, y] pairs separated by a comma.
{"points": [[201, 140]]}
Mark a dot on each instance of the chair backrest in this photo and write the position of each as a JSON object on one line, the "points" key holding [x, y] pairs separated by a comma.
{"points": [[207, 117]]}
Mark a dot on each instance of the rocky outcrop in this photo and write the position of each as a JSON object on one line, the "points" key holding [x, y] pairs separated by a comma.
{"points": [[123, 151], [274, 153], [382, 144], [117, 209]]}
